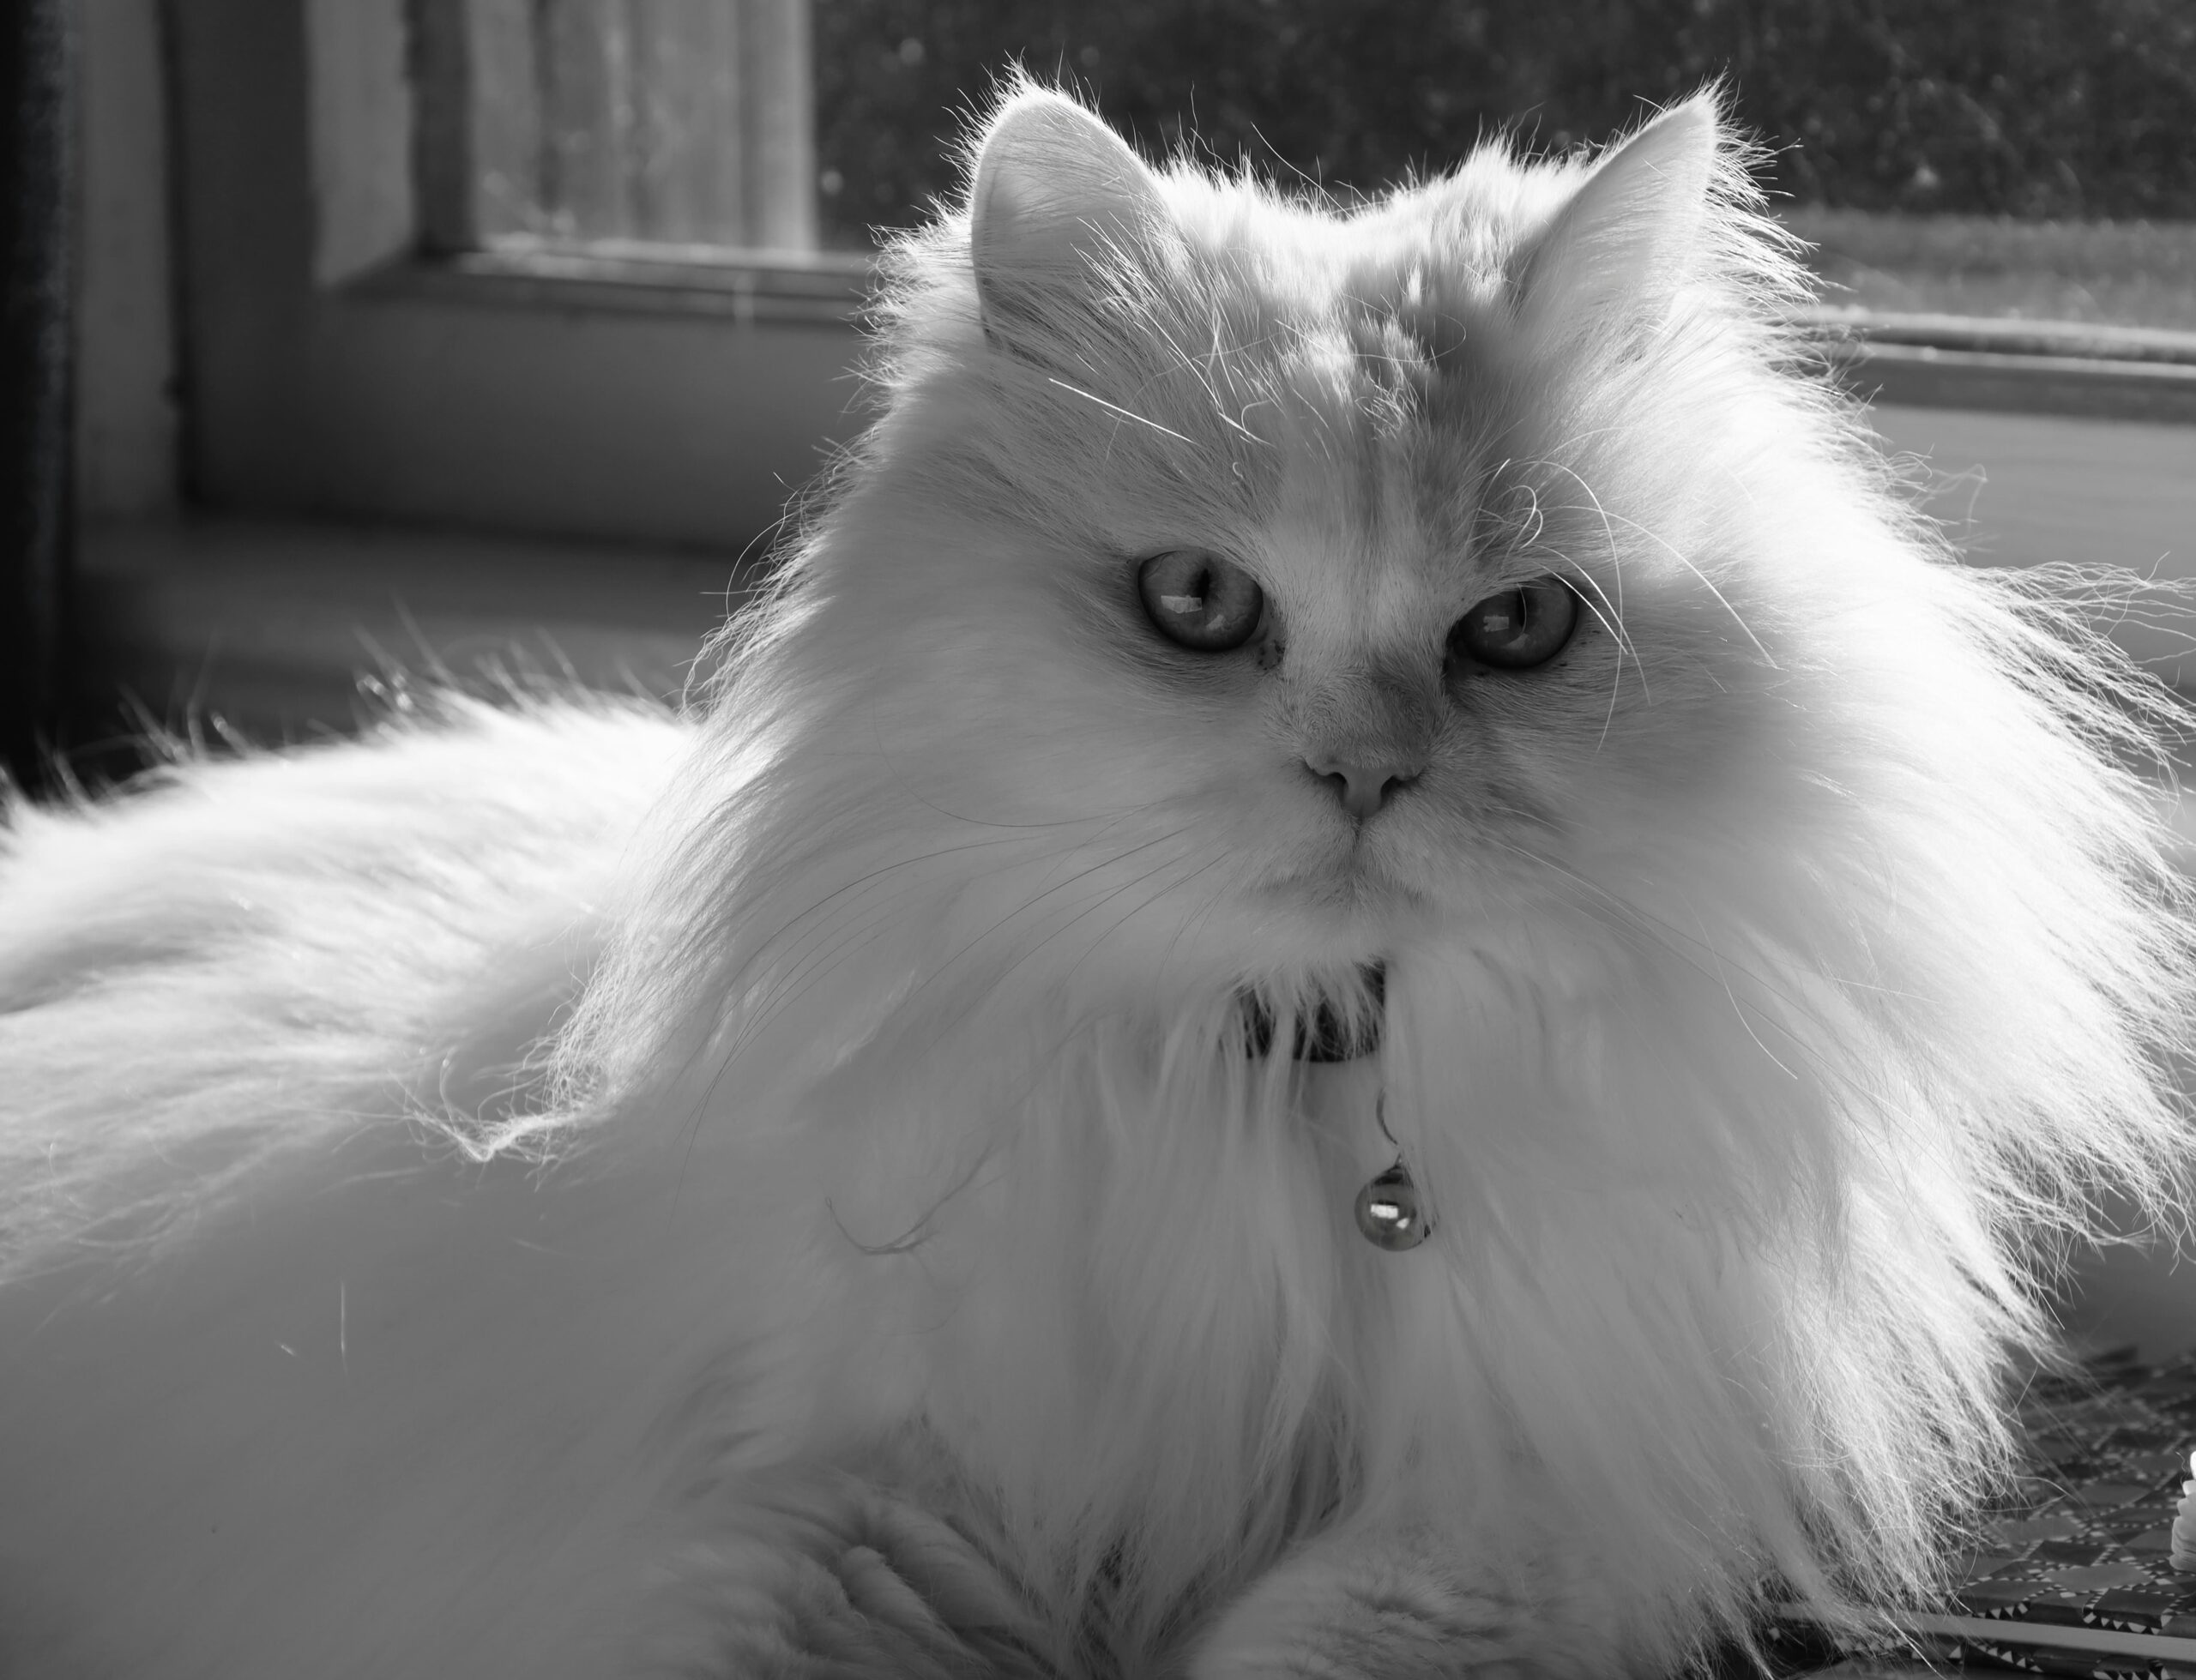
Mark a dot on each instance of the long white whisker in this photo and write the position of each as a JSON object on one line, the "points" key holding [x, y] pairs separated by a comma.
{"points": [[1030, 904], [1099, 903], [1667, 937], [1724, 980], [1671, 549], [1609, 530], [1126, 414], [1610, 521]]}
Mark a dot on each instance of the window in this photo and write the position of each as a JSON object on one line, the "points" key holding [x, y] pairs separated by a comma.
{"points": [[340, 362], [637, 126], [390, 445], [2006, 180], [569, 268]]}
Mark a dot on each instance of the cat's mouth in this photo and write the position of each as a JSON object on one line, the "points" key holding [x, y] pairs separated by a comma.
{"points": [[1364, 874], [1323, 1032]]}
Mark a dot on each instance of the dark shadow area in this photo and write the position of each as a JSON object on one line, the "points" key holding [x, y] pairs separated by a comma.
{"points": [[37, 197]]}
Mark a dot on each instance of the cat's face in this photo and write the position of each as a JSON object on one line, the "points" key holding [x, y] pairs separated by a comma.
{"points": [[1310, 574]]}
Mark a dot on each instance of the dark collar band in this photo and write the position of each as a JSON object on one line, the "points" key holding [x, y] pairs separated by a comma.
{"points": [[1324, 1037]]}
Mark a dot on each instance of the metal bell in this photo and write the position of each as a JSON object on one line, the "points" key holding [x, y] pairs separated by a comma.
{"points": [[1389, 1213]]}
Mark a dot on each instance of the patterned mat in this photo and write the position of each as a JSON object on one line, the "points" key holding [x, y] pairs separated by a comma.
{"points": [[2076, 1578]]}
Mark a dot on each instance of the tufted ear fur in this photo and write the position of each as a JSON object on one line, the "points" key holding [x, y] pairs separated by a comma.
{"points": [[1054, 190], [1615, 255]]}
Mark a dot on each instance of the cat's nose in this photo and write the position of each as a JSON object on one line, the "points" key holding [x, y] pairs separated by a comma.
{"points": [[1364, 780]]}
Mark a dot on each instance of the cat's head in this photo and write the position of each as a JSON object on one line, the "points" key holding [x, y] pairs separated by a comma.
{"points": [[1318, 572], [1239, 589], [1242, 589]]}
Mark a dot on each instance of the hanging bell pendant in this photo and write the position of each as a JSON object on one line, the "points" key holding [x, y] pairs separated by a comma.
{"points": [[1390, 1212]]}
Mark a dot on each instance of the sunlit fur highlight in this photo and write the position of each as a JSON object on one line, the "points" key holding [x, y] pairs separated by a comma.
{"points": [[1773, 989], [208, 971]]}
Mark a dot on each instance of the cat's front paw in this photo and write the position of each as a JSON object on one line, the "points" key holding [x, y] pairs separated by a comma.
{"points": [[1374, 1637], [1393, 1608], [823, 1576]]}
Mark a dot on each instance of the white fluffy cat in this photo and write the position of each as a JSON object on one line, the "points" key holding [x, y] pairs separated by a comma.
{"points": [[796, 1190]]}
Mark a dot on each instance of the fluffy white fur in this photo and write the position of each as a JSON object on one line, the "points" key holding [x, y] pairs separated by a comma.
{"points": [[813, 1213]]}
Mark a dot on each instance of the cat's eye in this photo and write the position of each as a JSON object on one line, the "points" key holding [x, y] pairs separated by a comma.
{"points": [[1200, 599], [1519, 628]]}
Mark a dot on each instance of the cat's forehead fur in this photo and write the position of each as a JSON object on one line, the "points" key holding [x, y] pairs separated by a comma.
{"points": [[1346, 370], [1301, 363]]}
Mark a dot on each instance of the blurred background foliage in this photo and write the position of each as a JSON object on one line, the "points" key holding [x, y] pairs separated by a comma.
{"points": [[2034, 109]]}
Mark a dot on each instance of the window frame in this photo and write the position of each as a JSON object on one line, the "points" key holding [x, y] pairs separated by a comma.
{"points": [[333, 365], [653, 369], [264, 360], [2018, 367], [390, 216]]}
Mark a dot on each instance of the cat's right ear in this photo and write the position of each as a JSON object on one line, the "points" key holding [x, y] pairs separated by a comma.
{"points": [[1055, 192], [1616, 256]]}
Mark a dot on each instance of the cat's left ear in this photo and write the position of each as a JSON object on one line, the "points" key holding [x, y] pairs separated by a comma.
{"points": [[1616, 255], [1055, 190]]}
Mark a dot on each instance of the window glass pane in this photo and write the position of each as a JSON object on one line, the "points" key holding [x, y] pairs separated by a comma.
{"points": [[605, 124], [2023, 158]]}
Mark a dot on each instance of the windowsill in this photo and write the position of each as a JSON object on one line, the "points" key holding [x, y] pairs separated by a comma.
{"points": [[277, 627], [823, 288], [2002, 335], [266, 622], [2011, 366], [1923, 361]]}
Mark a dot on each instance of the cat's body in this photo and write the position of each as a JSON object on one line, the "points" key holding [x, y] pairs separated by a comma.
{"points": [[201, 1437], [926, 1276]]}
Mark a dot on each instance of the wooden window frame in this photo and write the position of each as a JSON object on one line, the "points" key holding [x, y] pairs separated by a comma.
{"points": [[330, 404], [391, 163], [335, 363]]}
